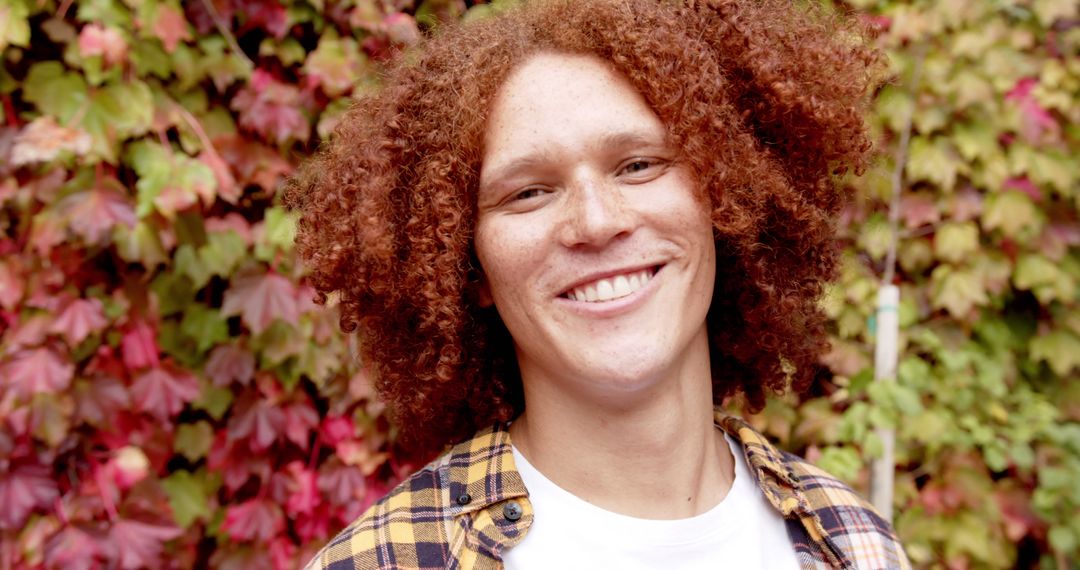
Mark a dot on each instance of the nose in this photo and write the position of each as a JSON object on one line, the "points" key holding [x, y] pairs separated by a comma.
{"points": [[598, 212]]}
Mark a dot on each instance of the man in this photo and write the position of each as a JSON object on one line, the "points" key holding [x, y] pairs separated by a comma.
{"points": [[562, 235]]}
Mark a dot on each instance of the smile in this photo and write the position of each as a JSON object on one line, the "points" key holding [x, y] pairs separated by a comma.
{"points": [[611, 288]]}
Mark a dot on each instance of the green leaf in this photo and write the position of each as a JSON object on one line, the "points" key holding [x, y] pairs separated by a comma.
{"points": [[843, 462], [214, 400], [116, 112], [278, 234], [14, 24], [957, 290], [205, 326], [1011, 211], [194, 440], [955, 241], [55, 91], [933, 160], [189, 496], [976, 139], [1060, 349], [1044, 278], [1062, 539]]}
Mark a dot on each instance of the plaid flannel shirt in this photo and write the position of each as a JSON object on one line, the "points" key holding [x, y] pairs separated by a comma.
{"points": [[469, 505]]}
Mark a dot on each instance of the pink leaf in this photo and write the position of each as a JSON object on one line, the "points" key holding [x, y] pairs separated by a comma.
{"points": [[139, 346], [257, 519], [37, 370], [342, 484], [336, 429], [137, 544], [170, 27], [261, 424], [93, 214], [73, 549], [163, 393], [95, 39], [267, 14], [100, 399], [227, 188], [259, 299], [300, 420], [272, 109], [80, 318], [919, 209], [11, 286], [22, 490], [230, 363]]}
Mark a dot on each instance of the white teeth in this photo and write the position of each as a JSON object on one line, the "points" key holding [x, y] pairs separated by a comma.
{"points": [[610, 288], [621, 286]]}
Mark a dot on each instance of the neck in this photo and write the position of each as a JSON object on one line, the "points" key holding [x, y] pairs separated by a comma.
{"points": [[654, 455]]}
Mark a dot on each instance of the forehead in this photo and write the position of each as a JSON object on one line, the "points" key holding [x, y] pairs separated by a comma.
{"points": [[563, 101]]}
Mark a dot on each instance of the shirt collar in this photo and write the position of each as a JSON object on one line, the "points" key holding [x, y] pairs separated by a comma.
{"points": [[482, 472]]}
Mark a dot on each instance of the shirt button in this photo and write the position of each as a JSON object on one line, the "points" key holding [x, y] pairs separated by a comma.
{"points": [[464, 499], [512, 511]]}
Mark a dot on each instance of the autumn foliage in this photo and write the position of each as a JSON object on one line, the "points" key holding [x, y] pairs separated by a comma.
{"points": [[170, 397]]}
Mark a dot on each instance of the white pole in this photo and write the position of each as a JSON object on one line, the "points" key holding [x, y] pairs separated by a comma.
{"points": [[885, 358]]}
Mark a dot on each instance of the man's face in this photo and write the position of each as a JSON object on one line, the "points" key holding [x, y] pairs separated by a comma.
{"points": [[595, 248]]}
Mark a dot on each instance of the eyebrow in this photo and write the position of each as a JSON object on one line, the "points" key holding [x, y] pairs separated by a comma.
{"points": [[611, 139]]}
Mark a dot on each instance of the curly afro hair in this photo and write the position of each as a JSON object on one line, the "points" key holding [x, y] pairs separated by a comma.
{"points": [[763, 100]]}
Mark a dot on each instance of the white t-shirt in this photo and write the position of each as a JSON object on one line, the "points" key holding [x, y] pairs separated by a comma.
{"points": [[742, 531]]}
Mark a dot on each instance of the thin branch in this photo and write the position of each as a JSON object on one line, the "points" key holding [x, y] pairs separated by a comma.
{"points": [[898, 169], [223, 29]]}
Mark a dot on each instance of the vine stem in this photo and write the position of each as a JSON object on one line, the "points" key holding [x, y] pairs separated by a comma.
{"points": [[223, 29]]}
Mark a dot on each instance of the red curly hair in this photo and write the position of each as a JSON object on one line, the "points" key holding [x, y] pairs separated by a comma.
{"points": [[764, 102]]}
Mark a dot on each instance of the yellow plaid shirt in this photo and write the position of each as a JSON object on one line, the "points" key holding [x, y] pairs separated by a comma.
{"points": [[468, 506]]}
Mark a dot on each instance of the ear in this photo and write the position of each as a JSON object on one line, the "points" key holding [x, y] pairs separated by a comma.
{"points": [[483, 294]]}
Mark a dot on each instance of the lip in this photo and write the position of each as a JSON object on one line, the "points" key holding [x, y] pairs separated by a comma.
{"points": [[614, 307]]}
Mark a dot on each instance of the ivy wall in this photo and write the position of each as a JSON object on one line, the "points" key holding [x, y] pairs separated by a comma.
{"points": [[170, 397]]}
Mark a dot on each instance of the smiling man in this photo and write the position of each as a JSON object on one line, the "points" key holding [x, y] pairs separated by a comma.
{"points": [[563, 235]]}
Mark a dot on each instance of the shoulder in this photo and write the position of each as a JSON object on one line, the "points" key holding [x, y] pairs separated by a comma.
{"points": [[849, 521], [824, 514], [407, 528], [439, 517]]}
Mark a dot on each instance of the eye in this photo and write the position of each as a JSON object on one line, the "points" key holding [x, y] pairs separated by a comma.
{"points": [[637, 166], [528, 193]]}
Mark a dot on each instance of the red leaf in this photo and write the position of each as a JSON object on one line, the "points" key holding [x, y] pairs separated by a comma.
{"points": [[261, 424], [253, 162], [236, 463], [73, 549], [267, 14], [37, 370], [303, 490], [170, 27], [230, 363], [137, 544], [272, 109], [336, 429], [342, 484], [139, 346], [259, 299], [100, 399], [257, 519], [300, 420], [80, 318], [93, 214], [283, 553], [163, 393], [22, 490]]}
